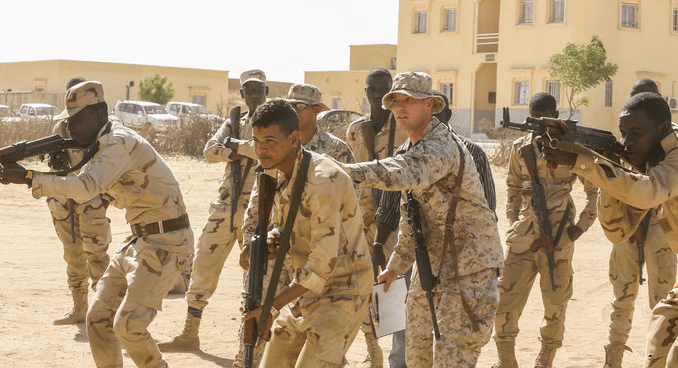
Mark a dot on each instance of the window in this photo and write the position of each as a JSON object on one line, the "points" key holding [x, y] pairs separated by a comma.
{"points": [[557, 11], [336, 103], [420, 22], [675, 20], [629, 16], [553, 88], [526, 12], [450, 20], [200, 100], [608, 94], [448, 90], [522, 93]]}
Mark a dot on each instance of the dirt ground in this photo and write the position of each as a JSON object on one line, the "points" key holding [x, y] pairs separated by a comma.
{"points": [[34, 292]]}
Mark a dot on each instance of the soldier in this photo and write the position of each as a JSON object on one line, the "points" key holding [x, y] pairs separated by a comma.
{"points": [[651, 146], [131, 174], [625, 266], [83, 228], [306, 99], [465, 257], [526, 255], [321, 311], [217, 238], [375, 136]]}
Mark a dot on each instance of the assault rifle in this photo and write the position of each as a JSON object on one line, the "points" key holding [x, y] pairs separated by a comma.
{"points": [[21, 150], [236, 173], [258, 264], [641, 237], [428, 280], [599, 140]]}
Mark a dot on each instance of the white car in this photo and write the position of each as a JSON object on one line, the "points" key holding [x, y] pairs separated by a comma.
{"points": [[8, 115], [40, 111], [138, 114], [187, 110]]}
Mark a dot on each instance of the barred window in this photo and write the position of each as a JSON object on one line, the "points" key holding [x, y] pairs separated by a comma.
{"points": [[526, 12], [522, 93], [448, 90], [629, 18], [553, 88], [420, 22], [675, 20], [450, 20], [557, 11], [608, 94]]}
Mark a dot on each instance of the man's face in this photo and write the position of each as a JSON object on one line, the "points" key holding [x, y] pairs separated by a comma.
{"points": [[376, 88], [84, 126], [543, 114], [412, 114], [254, 93], [307, 114], [639, 135], [274, 149]]}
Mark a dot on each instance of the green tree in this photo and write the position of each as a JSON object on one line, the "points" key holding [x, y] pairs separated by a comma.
{"points": [[580, 67], [153, 89]]}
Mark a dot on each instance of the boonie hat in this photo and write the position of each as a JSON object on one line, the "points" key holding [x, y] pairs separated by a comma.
{"points": [[306, 93], [82, 95], [252, 75], [414, 84]]}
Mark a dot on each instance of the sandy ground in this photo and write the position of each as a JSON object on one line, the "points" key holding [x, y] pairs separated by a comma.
{"points": [[34, 292]]}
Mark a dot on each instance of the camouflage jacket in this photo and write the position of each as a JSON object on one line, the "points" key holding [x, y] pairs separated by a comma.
{"points": [[215, 151], [328, 249], [130, 173], [626, 196], [429, 168], [557, 188]]}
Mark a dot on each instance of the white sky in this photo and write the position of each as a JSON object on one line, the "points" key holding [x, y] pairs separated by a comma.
{"points": [[282, 37]]}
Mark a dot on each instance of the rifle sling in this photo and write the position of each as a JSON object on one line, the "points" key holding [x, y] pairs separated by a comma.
{"points": [[295, 200], [449, 234], [563, 223]]}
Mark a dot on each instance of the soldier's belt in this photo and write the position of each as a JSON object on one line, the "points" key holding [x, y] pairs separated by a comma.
{"points": [[141, 229]]}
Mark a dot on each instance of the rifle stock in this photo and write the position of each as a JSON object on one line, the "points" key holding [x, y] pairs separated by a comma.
{"points": [[258, 263], [428, 280], [641, 237], [21, 150]]}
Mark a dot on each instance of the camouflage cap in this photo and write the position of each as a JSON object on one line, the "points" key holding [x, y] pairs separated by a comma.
{"points": [[82, 95], [306, 93], [414, 84], [252, 75]]}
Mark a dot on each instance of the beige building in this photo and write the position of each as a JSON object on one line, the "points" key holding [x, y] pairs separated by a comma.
{"points": [[45, 81], [346, 89], [487, 54]]}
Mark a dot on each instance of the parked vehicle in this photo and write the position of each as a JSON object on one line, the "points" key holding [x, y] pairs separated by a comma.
{"points": [[8, 115], [140, 114], [33, 111], [185, 110], [337, 121]]}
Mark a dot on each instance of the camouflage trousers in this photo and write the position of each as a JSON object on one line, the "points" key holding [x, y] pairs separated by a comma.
{"points": [[214, 245], [662, 345], [283, 283], [315, 335], [85, 232], [660, 262], [128, 297], [459, 345], [515, 284]]}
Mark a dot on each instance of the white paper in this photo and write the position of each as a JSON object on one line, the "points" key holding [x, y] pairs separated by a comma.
{"points": [[388, 309]]}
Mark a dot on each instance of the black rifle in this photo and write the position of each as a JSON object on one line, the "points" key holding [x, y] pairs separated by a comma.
{"points": [[236, 168], [599, 140], [258, 264], [641, 237], [428, 280], [21, 150]]}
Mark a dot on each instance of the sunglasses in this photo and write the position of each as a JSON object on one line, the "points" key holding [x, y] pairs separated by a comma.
{"points": [[300, 106]]}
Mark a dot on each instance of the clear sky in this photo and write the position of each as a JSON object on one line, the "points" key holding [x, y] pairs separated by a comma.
{"points": [[282, 37]]}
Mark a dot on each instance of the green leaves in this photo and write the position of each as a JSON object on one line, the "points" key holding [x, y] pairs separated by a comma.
{"points": [[153, 89]]}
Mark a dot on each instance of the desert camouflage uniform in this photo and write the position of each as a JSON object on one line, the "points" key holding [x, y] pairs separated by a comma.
{"points": [[429, 168], [624, 201], [321, 142], [217, 239], [134, 177], [86, 242], [522, 263], [329, 257]]}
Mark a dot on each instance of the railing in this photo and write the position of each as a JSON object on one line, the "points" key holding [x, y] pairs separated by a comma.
{"points": [[487, 39]]}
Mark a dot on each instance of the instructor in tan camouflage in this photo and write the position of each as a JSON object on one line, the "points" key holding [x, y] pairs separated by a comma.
{"points": [[466, 257], [526, 256]]}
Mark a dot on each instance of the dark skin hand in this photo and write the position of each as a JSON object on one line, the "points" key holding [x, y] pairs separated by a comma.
{"points": [[58, 160], [13, 173]]}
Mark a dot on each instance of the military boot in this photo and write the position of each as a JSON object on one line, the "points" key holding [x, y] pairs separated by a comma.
{"points": [[187, 340], [613, 355], [546, 354], [374, 358], [79, 312], [506, 354]]}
